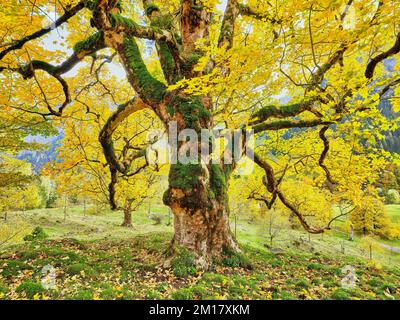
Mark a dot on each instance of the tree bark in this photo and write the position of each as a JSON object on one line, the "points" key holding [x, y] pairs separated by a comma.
{"points": [[351, 233], [127, 219], [197, 193], [205, 232], [201, 213], [127, 216]]}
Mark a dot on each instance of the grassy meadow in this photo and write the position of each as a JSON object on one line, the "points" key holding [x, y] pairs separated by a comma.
{"points": [[95, 258]]}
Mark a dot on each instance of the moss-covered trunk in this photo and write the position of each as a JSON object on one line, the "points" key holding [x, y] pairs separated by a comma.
{"points": [[197, 193], [197, 196]]}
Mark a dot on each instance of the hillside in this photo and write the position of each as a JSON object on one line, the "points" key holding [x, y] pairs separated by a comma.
{"points": [[95, 258]]}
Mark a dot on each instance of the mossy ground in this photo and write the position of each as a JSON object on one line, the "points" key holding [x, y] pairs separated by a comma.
{"points": [[130, 267]]}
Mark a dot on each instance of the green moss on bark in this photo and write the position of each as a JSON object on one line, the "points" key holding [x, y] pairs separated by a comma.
{"points": [[90, 4], [283, 111], [37, 64], [190, 62], [191, 109], [118, 19], [184, 176], [218, 180], [165, 22], [167, 62], [153, 89], [151, 8], [89, 43]]}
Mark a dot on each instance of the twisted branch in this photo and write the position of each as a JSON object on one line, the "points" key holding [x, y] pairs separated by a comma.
{"points": [[64, 18]]}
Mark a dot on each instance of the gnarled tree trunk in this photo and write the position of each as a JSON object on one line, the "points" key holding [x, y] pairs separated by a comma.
{"points": [[197, 192], [197, 196]]}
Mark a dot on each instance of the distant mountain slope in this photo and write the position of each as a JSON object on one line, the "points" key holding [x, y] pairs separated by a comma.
{"points": [[392, 139], [40, 158]]}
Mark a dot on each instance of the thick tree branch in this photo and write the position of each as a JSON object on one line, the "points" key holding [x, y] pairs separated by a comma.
{"points": [[227, 32], [120, 33], [112, 189], [151, 90], [281, 112], [64, 18], [195, 22], [81, 50], [248, 11], [130, 27], [168, 51], [105, 136], [272, 187], [369, 72], [324, 154], [288, 124]]}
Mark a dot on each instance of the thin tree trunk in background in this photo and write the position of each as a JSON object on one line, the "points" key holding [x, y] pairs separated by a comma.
{"points": [[127, 215], [65, 209], [127, 219], [235, 225], [351, 233], [169, 217]]}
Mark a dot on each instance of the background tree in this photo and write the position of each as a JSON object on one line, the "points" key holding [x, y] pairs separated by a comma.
{"points": [[80, 169], [370, 217]]}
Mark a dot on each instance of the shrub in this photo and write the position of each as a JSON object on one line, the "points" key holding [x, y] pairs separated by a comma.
{"points": [[302, 283], [37, 234], [315, 266], [152, 295], [330, 283], [28, 255], [277, 263], [108, 294], [393, 197], [200, 291]]}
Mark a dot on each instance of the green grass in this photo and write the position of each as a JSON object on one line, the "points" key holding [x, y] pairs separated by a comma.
{"points": [[132, 269], [81, 226], [393, 211], [95, 258], [252, 232]]}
